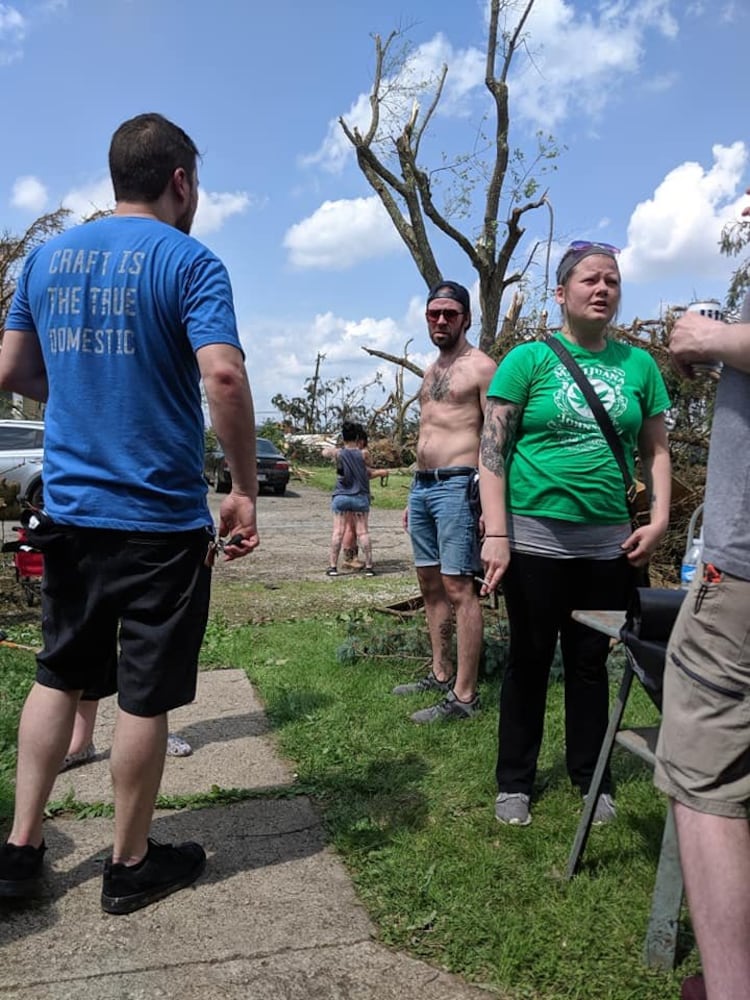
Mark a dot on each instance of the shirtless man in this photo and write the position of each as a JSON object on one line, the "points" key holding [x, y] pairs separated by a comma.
{"points": [[441, 518]]}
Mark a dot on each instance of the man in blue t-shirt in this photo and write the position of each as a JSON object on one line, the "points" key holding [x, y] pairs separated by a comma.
{"points": [[113, 325]]}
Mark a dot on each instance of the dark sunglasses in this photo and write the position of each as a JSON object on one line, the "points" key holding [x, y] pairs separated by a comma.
{"points": [[433, 315], [587, 244]]}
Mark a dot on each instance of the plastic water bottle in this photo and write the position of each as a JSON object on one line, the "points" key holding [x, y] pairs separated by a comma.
{"points": [[693, 551]]}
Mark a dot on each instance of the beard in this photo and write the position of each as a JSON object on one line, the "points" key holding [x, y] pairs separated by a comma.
{"points": [[184, 222], [448, 339]]}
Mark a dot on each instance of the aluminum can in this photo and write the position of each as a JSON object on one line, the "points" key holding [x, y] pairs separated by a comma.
{"points": [[712, 309]]}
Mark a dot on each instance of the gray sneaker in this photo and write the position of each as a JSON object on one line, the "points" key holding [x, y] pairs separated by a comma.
{"points": [[605, 810], [428, 683], [512, 808], [447, 709]]}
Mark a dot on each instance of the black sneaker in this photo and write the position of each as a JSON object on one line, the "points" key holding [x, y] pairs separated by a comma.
{"points": [[164, 870], [20, 870], [332, 571]]}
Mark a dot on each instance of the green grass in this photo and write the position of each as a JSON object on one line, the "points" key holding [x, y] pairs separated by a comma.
{"points": [[17, 669], [409, 809]]}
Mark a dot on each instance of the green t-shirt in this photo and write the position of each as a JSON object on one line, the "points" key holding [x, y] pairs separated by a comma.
{"points": [[561, 465]]}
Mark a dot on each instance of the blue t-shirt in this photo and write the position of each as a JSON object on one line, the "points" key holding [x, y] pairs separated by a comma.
{"points": [[120, 306]]}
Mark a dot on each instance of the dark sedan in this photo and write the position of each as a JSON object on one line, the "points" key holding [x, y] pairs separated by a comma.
{"points": [[273, 469]]}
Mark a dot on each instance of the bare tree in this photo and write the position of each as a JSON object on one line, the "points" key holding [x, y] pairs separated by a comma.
{"points": [[735, 237], [406, 191], [13, 251]]}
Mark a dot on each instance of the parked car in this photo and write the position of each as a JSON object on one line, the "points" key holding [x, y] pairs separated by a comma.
{"points": [[273, 469], [21, 453]]}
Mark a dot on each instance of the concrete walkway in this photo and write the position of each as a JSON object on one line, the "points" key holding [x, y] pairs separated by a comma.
{"points": [[274, 917]]}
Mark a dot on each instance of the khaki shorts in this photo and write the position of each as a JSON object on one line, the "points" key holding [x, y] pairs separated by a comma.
{"points": [[703, 753]]}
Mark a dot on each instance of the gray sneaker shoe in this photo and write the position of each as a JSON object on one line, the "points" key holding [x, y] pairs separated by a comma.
{"points": [[512, 808], [428, 683], [448, 709], [605, 810]]}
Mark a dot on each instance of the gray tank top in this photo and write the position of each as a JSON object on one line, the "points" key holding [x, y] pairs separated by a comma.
{"points": [[549, 536], [352, 477]]}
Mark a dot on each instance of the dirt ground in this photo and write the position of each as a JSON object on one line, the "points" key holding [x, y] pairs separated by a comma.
{"points": [[284, 577]]}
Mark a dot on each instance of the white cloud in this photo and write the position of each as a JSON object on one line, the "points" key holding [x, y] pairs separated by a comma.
{"points": [[335, 150], [676, 232], [287, 357], [281, 355], [15, 26], [560, 81], [95, 197], [546, 89], [729, 13], [415, 81], [214, 208], [342, 233], [29, 193], [12, 34]]}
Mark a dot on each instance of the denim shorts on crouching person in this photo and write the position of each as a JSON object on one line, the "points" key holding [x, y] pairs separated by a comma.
{"points": [[355, 503], [144, 592], [443, 525], [703, 753]]}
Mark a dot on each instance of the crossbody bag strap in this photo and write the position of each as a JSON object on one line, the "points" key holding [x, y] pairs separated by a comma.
{"points": [[602, 418]]}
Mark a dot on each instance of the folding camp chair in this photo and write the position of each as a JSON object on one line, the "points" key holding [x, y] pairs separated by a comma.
{"points": [[644, 631]]}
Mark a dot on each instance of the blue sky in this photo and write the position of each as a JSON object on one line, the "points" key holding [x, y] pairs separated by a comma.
{"points": [[645, 96]]}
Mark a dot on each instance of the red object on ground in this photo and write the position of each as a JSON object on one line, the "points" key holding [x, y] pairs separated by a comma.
{"points": [[29, 566], [28, 561]]}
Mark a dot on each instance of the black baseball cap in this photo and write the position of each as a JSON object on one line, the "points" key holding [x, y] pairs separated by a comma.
{"points": [[450, 290]]}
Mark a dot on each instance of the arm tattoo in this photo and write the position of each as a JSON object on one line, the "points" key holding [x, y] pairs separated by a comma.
{"points": [[498, 434]]}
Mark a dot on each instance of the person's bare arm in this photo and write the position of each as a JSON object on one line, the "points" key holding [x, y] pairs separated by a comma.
{"points": [[653, 448], [696, 339], [230, 405], [500, 421], [486, 371], [22, 368]]}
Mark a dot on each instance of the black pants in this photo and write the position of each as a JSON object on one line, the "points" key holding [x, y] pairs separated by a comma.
{"points": [[540, 593]]}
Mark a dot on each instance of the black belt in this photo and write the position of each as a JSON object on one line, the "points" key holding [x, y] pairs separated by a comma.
{"points": [[434, 475]]}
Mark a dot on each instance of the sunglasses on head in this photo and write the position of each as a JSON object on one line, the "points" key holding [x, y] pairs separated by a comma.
{"points": [[433, 315], [588, 244]]}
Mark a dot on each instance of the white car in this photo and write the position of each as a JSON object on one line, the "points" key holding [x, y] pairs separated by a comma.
{"points": [[21, 453]]}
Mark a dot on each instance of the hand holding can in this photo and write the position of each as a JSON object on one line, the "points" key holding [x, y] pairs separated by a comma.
{"points": [[710, 308]]}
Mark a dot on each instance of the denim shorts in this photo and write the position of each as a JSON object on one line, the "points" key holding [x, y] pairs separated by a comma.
{"points": [[703, 753], [354, 503], [443, 525]]}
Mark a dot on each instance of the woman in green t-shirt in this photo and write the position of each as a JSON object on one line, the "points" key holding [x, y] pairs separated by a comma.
{"points": [[557, 526]]}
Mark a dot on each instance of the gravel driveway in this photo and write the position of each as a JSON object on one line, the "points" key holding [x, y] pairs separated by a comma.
{"points": [[295, 535]]}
